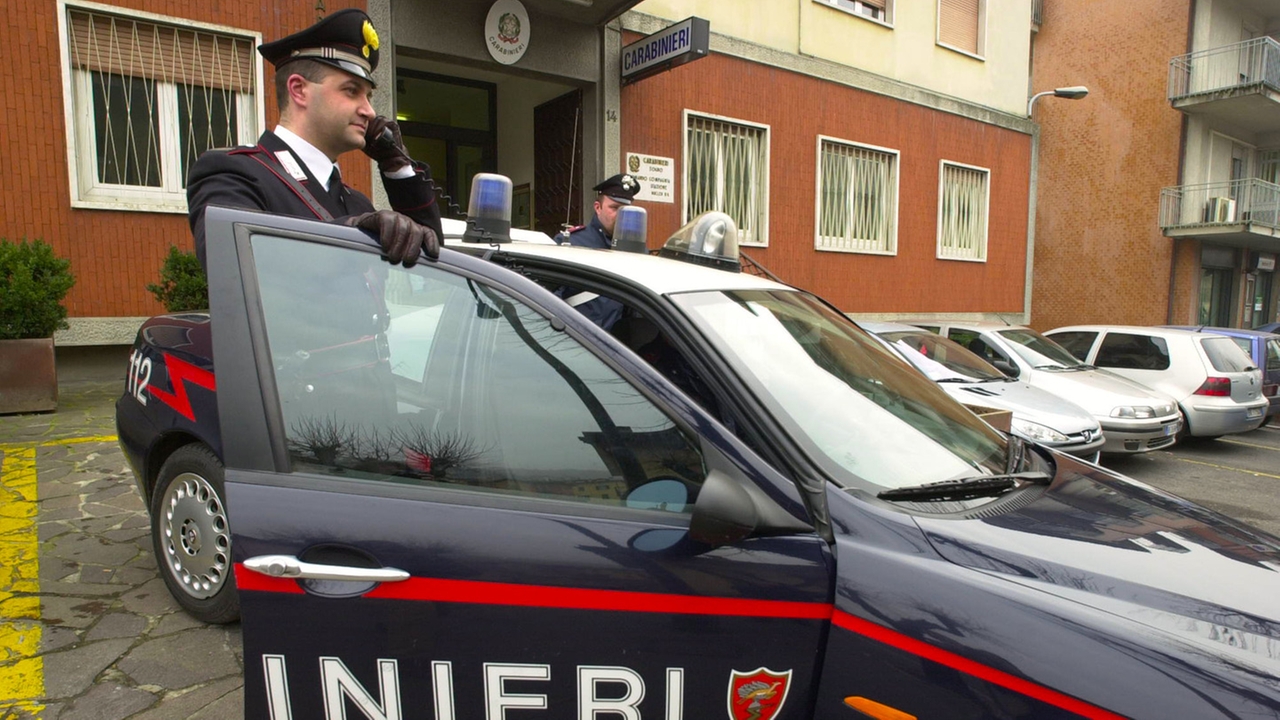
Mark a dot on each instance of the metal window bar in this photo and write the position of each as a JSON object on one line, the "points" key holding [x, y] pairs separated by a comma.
{"points": [[1252, 63], [1247, 201], [726, 162], [857, 199], [963, 215], [143, 74]]}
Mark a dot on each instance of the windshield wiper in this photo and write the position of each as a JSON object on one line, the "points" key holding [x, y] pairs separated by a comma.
{"points": [[964, 488], [957, 380]]}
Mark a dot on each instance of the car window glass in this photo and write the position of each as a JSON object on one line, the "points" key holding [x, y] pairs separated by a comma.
{"points": [[973, 342], [1038, 350], [1132, 352], [858, 408], [1273, 355], [418, 376], [1077, 342], [1245, 345], [1224, 355], [942, 359]]}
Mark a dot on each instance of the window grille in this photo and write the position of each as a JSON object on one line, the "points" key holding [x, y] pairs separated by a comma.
{"points": [[857, 196], [148, 98], [962, 212], [727, 169]]}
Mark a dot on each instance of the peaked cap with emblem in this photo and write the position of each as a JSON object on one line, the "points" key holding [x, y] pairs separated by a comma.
{"points": [[622, 188], [346, 40]]}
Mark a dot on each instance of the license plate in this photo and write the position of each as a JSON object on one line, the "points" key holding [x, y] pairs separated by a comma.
{"points": [[1172, 428], [1252, 413]]}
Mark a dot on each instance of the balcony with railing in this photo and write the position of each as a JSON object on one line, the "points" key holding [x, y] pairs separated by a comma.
{"points": [[1237, 83], [1237, 212]]}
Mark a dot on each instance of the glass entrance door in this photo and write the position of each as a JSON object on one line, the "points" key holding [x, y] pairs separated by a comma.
{"points": [[1215, 297], [451, 124]]}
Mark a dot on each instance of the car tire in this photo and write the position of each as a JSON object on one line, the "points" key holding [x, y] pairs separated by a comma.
{"points": [[191, 535]]}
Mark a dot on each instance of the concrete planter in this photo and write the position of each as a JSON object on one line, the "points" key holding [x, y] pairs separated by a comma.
{"points": [[28, 376]]}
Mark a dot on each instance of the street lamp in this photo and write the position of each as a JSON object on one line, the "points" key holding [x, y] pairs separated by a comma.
{"points": [[1075, 92]]}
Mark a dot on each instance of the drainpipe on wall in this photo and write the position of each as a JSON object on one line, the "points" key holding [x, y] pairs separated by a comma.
{"points": [[1182, 160], [1031, 224]]}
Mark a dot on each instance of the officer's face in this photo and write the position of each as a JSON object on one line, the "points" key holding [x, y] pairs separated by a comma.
{"points": [[339, 112], [607, 211]]}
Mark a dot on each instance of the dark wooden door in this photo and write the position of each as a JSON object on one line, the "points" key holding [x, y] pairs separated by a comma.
{"points": [[557, 163]]}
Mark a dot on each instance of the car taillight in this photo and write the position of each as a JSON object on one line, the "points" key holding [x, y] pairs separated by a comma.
{"points": [[1269, 390], [1215, 387]]}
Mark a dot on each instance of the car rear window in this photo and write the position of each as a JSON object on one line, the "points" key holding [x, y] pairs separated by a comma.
{"points": [[1224, 355], [1133, 352], [1273, 355], [1245, 344]]}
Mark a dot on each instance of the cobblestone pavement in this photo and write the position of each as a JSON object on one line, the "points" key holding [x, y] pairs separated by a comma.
{"points": [[87, 628]]}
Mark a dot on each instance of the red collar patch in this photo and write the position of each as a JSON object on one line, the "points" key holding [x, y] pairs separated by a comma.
{"points": [[757, 695]]}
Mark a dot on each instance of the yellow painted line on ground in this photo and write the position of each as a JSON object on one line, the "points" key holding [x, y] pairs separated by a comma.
{"points": [[21, 667], [1227, 467], [6, 447], [1249, 444]]}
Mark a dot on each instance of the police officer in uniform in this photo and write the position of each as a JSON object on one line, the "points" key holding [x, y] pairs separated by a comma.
{"points": [[612, 194], [324, 78]]}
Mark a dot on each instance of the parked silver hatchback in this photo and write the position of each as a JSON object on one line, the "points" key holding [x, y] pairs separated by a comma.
{"points": [[1216, 384]]}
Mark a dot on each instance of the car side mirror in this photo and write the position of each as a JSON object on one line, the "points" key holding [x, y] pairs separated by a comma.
{"points": [[724, 512], [1006, 367]]}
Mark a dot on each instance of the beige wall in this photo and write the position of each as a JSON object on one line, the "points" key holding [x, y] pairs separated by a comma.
{"points": [[907, 52]]}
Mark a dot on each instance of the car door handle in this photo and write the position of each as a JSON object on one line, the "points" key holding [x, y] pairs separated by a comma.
{"points": [[288, 566]]}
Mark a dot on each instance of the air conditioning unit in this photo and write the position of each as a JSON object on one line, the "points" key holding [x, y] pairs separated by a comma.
{"points": [[1220, 210]]}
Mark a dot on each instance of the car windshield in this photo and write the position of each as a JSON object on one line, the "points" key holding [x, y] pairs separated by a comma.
{"points": [[862, 413], [941, 359], [1038, 350]]}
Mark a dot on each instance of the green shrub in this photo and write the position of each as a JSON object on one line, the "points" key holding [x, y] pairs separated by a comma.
{"points": [[33, 282], [182, 286]]}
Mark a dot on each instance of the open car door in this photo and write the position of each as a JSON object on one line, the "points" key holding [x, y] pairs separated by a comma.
{"points": [[451, 496]]}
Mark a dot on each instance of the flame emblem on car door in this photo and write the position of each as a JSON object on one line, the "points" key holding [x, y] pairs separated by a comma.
{"points": [[757, 695]]}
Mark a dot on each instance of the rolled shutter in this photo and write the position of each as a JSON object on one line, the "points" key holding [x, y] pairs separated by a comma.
{"points": [[958, 24], [124, 46]]}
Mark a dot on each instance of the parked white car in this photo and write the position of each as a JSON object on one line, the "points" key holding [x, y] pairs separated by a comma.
{"points": [[1216, 384], [1038, 415], [1134, 418]]}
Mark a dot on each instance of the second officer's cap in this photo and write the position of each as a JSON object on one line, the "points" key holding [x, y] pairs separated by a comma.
{"points": [[346, 40], [622, 188]]}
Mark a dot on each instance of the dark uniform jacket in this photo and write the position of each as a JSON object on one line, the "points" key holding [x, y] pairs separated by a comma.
{"points": [[591, 235], [600, 310], [252, 177]]}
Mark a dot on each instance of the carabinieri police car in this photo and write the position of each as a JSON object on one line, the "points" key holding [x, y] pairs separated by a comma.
{"points": [[441, 492]]}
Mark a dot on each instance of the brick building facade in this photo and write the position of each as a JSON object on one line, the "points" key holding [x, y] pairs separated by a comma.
{"points": [[1143, 187], [893, 183]]}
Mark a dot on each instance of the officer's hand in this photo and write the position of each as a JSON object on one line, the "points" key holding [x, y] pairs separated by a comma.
{"points": [[403, 240], [390, 154]]}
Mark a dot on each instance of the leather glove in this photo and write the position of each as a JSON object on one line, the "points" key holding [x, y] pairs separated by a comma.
{"points": [[388, 152], [403, 240]]}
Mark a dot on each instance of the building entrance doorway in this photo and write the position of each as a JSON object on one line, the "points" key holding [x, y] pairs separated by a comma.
{"points": [[464, 120]]}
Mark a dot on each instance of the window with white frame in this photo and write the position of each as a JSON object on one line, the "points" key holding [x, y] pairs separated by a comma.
{"points": [[878, 10], [857, 197], [726, 168], [962, 26], [148, 95], [963, 193]]}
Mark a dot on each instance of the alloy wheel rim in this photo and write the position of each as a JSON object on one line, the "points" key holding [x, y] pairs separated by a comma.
{"points": [[196, 537]]}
